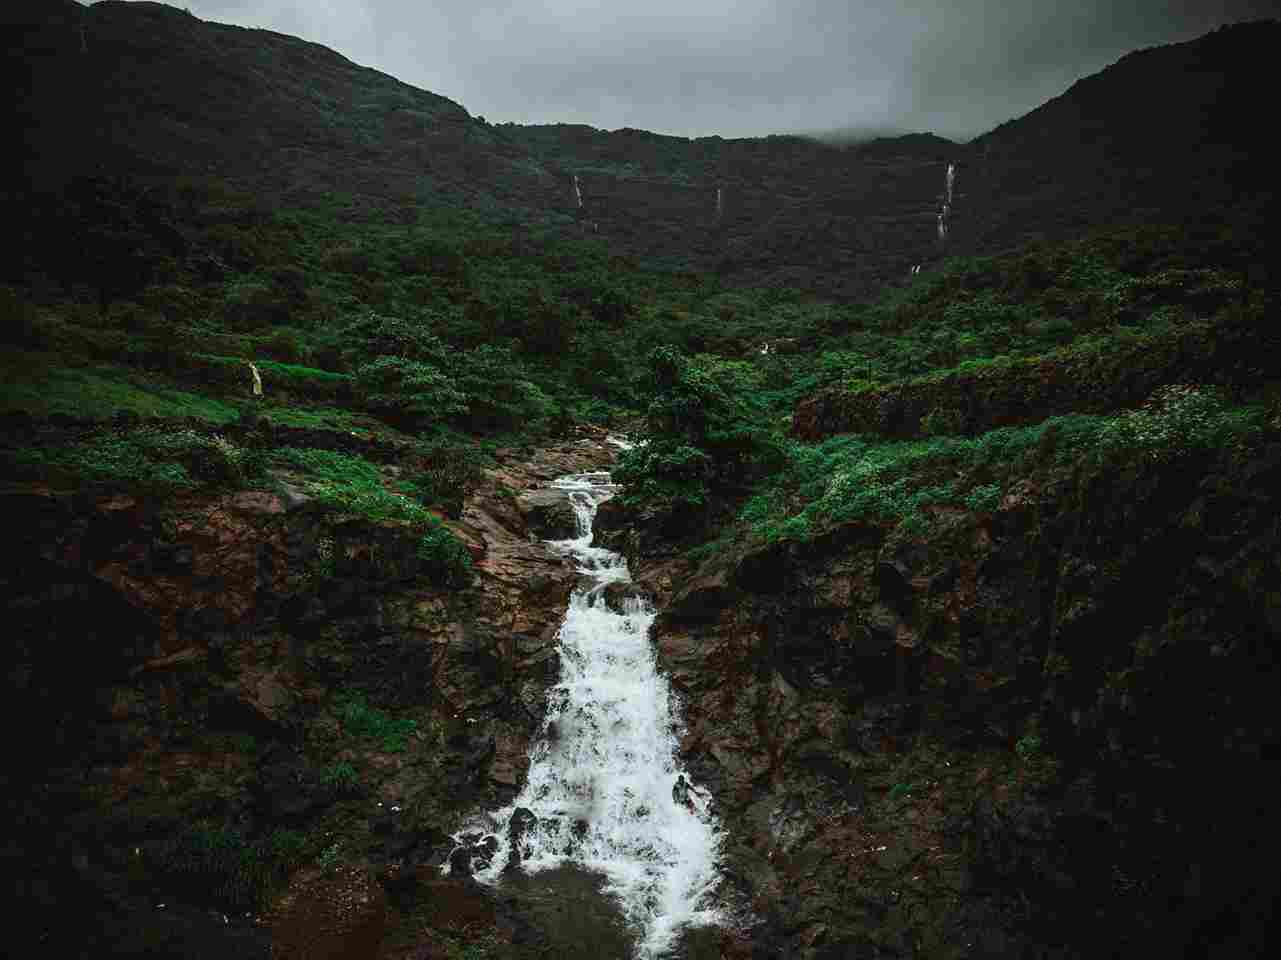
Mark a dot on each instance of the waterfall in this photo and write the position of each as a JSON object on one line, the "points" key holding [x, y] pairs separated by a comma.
{"points": [[605, 791], [578, 193], [945, 213], [253, 370], [720, 202]]}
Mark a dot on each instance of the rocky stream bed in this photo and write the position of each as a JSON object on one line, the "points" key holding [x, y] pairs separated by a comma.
{"points": [[214, 752]]}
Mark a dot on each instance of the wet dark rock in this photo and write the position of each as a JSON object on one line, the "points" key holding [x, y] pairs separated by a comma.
{"points": [[702, 598], [894, 580], [289, 791], [548, 514], [170, 558], [881, 629], [475, 852], [618, 596], [460, 862], [522, 820], [1012, 843]]}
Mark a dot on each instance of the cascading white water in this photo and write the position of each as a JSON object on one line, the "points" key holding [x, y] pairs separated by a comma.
{"points": [[578, 192], [945, 214], [604, 788]]}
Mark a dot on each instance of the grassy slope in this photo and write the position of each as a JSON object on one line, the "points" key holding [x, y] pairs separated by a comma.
{"points": [[573, 325]]}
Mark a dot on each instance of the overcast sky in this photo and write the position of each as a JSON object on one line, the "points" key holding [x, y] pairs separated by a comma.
{"points": [[741, 67]]}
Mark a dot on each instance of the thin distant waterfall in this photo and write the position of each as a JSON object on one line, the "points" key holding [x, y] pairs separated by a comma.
{"points": [[605, 791], [945, 213], [720, 202], [578, 193]]}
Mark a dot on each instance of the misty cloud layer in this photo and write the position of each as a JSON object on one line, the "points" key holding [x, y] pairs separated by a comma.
{"points": [[740, 67]]}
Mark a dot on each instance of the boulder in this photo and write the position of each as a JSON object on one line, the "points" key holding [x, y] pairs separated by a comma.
{"points": [[618, 596], [287, 790], [522, 820], [548, 514]]}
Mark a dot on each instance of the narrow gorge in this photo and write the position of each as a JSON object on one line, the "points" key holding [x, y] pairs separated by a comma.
{"points": [[605, 790]]}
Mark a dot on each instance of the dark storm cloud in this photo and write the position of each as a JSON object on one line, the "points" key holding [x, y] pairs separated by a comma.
{"points": [[741, 67]]}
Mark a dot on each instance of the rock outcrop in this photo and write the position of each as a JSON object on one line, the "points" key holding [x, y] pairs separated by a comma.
{"points": [[907, 736], [236, 685], [548, 514]]}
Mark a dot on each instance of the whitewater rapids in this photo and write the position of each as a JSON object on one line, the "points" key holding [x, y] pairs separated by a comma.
{"points": [[605, 789]]}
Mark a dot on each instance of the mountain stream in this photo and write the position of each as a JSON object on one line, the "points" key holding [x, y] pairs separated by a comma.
{"points": [[605, 793]]}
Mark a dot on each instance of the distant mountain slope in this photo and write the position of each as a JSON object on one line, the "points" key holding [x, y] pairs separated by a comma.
{"points": [[151, 90], [1168, 132]]}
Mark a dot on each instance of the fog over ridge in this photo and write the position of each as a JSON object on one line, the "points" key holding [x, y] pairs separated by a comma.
{"points": [[741, 67]]}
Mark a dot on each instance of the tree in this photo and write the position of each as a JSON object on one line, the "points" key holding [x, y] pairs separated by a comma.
{"points": [[707, 432], [408, 389]]}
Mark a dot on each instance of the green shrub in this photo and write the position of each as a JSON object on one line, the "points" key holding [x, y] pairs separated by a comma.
{"points": [[707, 432], [233, 372], [285, 346], [898, 792], [340, 469], [443, 557], [359, 719], [220, 865], [341, 776], [375, 334], [984, 498], [499, 394], [942, 420], [351, 484], [1180, 417], [450, 470], [152, 458], [408, 388]]}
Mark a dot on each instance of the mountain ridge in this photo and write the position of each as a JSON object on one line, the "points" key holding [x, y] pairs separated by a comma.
{"points": [[149, 89]]}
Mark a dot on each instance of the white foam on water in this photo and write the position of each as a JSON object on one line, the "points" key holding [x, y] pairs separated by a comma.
{"points": [[603, 776]]}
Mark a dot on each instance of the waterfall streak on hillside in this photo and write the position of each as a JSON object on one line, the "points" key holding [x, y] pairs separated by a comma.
{"points": [[578, 193], [604, 784], [945, 213]]}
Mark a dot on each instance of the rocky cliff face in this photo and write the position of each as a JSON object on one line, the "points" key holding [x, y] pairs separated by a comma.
{"points": [[1045, 730], [1048, 730], [216, 690]]}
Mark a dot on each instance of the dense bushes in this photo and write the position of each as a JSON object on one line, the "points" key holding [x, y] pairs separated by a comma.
{"points": [[155, 458], [223, 865], [408, 390], [232, 374], [1092, 376], [443, 558], [706, 432], [354, 485], [862, 477], [448, 470]]}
